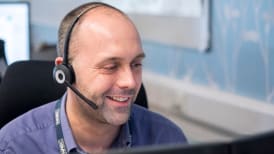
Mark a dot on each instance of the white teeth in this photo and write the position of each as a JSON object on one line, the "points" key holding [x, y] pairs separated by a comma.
{"points": [[119, 98]]}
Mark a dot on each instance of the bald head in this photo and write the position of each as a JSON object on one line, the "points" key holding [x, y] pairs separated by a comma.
{"points": [[98, 18]]}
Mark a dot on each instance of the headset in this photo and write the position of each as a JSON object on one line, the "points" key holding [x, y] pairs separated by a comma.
{"points": [[64, 73]]}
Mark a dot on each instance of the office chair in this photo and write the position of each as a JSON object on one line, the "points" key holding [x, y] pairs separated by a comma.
{"points": [[29, 84]]}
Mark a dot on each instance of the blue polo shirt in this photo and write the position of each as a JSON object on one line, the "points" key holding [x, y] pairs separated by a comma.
{"points": [[35, 131]]}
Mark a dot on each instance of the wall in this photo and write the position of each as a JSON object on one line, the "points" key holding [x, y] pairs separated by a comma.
{"points": [[241, 57], [228, 91]]}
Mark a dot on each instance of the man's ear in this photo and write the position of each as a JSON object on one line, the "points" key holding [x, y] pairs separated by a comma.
{"points": [[58, 60]]}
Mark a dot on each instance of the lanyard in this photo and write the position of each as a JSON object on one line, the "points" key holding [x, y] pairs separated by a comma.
{"points": [[59, 132]]}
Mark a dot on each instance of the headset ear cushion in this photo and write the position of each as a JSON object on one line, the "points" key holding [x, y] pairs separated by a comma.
{"points": [[62, 73]]}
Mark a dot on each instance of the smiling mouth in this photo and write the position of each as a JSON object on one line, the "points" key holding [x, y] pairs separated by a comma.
{"points": [[118, 98]]}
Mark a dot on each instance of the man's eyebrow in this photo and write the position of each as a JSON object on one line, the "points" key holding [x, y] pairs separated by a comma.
{"points": [[108, 60], [116, 59], [141, 55]]}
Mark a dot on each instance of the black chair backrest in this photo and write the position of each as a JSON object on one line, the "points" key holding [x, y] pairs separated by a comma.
{"points": [[26, 85], [29, 84]]}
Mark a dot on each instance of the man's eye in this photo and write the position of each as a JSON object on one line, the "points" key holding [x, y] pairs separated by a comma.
{"points": [[110, 68], [137, 65]]}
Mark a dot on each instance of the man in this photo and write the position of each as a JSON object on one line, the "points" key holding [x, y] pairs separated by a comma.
{"points": [[103, 69]]}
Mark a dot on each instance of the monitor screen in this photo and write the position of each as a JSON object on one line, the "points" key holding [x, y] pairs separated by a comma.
{"points": [[15, 30]]}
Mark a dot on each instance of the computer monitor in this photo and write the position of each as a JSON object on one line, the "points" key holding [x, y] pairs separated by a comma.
{"points": [[262, 143], [15, 30]]}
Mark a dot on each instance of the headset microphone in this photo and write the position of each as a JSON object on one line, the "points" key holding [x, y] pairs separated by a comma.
{"points": [[63, 75], [77, 92]]}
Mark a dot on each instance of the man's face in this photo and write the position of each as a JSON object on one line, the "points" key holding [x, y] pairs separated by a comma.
{"points": [[108, 66]]}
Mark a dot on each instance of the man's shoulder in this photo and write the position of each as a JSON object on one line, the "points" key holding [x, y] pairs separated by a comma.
{"points": [[146, 116], [155, 124], [32, 121]]}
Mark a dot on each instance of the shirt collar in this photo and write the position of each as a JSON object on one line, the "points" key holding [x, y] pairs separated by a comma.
{"points": [[123, 140]]}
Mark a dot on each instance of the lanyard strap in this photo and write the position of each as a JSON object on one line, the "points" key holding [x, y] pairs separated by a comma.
{"points": [[59, 132]]}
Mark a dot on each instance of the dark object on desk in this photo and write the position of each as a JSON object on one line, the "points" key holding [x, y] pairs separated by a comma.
{"points": [[3, 60], [262, 143], [209, 148], [29, 84], [2, 50], [255, 144]]}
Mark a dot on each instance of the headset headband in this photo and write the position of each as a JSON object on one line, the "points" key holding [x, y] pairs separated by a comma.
{"points": [[67, 39]]}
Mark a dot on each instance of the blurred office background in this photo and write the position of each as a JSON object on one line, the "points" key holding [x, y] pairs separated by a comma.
{"points": [[211, 72]]}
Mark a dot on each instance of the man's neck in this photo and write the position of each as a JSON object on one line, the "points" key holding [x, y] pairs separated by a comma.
{"points": [[90, 134]]}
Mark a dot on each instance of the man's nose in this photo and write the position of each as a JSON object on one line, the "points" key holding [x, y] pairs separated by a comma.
{"points": [[127, 79]]}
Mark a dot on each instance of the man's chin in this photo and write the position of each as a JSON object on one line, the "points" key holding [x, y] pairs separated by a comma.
{"points": [[118, 119], [117, 115]]}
